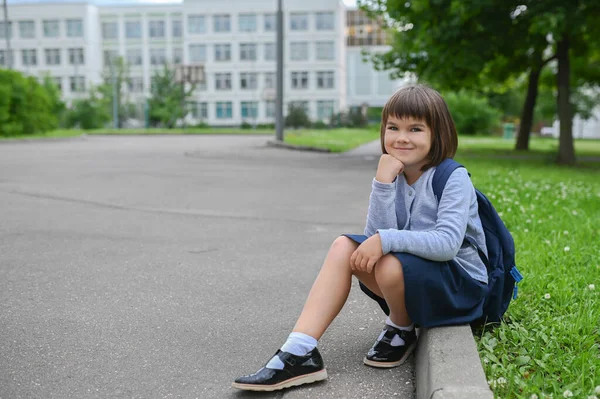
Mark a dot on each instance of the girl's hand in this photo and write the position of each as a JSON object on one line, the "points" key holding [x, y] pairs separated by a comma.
{"points": [[388, 168], [367, 254]]}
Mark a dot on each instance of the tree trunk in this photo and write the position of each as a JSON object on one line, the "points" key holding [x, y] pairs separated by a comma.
{"points": [[566, 150], [528, 108]]}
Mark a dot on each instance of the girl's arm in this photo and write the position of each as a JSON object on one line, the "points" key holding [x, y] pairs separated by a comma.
{"points": [[382, 208], [443, 242]]}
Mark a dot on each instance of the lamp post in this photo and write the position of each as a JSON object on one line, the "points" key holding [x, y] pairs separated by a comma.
{"points": [[7, 32], [279, 101]]}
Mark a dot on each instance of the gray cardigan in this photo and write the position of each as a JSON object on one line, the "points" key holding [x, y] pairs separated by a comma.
{"points": [[408, 219]]}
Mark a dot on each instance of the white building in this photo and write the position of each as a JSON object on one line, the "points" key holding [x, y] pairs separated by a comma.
{"points": [[73, 41]]}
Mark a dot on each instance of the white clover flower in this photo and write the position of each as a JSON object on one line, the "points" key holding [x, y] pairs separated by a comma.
{"points": [[547, 296], [550, 217], [566, 232], [533, 396], [501, 380], [526, 230], [528, 221], [509, 209], [597, 390], [567, 249], [592, 287], [567, 394], [486, 360], [574, 212], [547, 242], [592, 397], [500, 214]]}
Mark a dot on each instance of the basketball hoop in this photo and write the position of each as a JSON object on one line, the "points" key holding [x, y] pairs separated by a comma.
{"points": [[269, 94]]}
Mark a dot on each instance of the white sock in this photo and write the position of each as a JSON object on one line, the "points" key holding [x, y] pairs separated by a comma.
{"points": [[297, 344], [396, 341]]}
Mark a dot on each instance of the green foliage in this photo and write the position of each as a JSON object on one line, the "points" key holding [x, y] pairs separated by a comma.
{"points": [[107, 91], [26, 106], [320, 125], [297, 117], [246, 125], [89, 113], [472, 114], [167, 99]]}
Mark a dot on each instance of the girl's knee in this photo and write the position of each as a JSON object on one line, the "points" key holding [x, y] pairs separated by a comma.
{"points": [[388, 271], [342, 246]]}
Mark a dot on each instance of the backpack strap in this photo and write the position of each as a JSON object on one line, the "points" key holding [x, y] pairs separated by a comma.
{"points": [[441, 175], [440, 178]]}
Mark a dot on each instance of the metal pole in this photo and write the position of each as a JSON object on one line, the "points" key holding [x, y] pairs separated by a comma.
{"points": [[7, 32], [115, 104], [279, 102]]}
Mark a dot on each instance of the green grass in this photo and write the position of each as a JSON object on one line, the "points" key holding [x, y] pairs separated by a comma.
{"points": [[336, 140], [550, 344], [75, 132]]}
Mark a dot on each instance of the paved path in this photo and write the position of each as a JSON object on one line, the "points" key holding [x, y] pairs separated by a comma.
{"points": [[163, 267]]}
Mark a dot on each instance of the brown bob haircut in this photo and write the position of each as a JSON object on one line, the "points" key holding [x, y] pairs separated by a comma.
{"points": [[424, 104]]}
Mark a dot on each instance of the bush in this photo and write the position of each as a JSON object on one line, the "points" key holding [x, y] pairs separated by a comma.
{"points": [[320, 125], [472, 114], [297, 117], [265, 126], [26, 106], [246, 125], [88, 113]]}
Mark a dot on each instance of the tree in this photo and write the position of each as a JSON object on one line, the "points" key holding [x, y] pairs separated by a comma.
{"points": [[89, 113], [168, 99], [487, 42], [120, 73], [297, 116]]}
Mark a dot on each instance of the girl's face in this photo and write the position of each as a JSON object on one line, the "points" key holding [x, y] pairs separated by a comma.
{"points": [[408, 140]]}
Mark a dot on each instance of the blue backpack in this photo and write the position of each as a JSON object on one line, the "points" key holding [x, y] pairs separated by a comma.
{"points": [[503, 275]]}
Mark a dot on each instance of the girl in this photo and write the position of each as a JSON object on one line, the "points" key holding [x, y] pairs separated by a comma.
{"points": [[412, 259]]}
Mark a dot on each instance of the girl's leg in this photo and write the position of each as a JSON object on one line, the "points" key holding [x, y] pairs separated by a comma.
{"points": [[389, 278], [330, 290]]}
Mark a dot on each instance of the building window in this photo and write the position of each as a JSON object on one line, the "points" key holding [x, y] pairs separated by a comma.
{"points": [[325, 21], [134, 57], [223, 81], [29, 57], [298, 21], [247, 52], [110, 57], [247, 22], [248, 80], [6, 57], [270, 80], [325, 80], [325, 51], [51, 28], [222, 23], [325, 109], [299, 51], [177, 28], [77, 84], [133, 29], [270, 108], [156, 28], [222, 52], [74, 28], [158, 56], [76, 56], [3, 31], [224, 110], [52, 56], [199, 110], [197, 53], [27, 29], [270, 23], [177, 55], [299, 80], [249, 109], [196, 24], [110, 30], [136, 84], [270, 52]]}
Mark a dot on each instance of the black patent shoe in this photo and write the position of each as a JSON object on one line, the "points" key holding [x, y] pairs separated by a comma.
{"points": [[297, 370], [384, 355]]}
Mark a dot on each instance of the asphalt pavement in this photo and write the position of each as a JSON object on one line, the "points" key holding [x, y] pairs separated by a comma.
{"points": [[166, 266]]}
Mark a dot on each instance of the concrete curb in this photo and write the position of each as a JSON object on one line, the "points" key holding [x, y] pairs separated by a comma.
{"points": [[279, 144], [448, 365]]}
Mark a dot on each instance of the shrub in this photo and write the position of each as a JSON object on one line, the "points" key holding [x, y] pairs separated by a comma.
{"points": [[297, 117], [246, 125], [472, 114]]}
